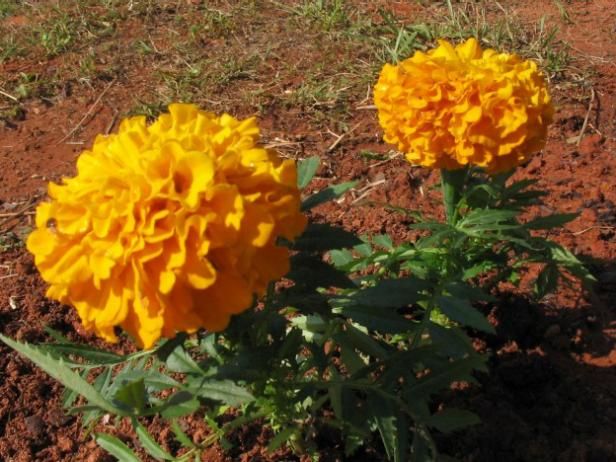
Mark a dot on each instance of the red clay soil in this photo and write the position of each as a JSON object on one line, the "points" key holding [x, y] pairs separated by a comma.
{"points": [[551, 393]]}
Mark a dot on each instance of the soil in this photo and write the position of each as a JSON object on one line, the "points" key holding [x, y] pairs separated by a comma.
{"points": [[551, 393]]}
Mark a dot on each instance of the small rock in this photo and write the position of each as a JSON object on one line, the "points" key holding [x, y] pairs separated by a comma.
{"points": [[65, 444], [35, 425]]}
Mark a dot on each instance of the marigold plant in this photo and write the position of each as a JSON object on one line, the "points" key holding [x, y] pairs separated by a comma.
{"points": [[169, 227], [458, 106]]}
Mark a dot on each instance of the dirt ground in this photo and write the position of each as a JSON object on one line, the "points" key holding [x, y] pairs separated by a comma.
{"points": [[71, 70]]}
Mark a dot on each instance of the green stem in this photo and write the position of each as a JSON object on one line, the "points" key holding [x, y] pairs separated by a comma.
{"points": [[452, 185]]}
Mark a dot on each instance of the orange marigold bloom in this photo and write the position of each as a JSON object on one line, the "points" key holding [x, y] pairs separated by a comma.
{"points": [[169, 227], [455, 106]]}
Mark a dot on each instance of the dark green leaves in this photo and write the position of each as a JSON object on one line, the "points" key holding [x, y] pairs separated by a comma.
{"points": [[320, 237], [460, 310], [116, 448], [551, 221], [450, 420], [392, 425], [392, 293]]}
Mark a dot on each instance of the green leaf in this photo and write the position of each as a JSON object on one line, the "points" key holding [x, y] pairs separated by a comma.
{"points": [[341, 257], [392, 293], [306, 170], [282, 437], [392, 426], [460, 289], [349, 357], [327, 194], [149, 444], [438, 380], [180, 436], [374, 318], [451, 340], [93, 355], [178, 405], [478, 269], [547, 281], [450, 420], [460, 310], [480, 220], [359, 339], [180, 361], [65, 375], [225, 391], [320, 237], [57, 336], [169, 345], [312, 271], [116, 448], [423, 446], [132, 396], [551, 221], [384, 241]]}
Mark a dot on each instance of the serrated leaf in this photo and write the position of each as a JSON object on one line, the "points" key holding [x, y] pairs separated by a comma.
{"points": [[341, 257], [452, 341], [349, 357], [460, 310], [551, 221], [116, 448], [281, 438], [149, 444], [180, 436], [306, 169], [327, 194], [438, 380], [180, 361], [57, 336], [392, 427], [65, 375], [547, 280], [462, 290], [164, 350], [392, 293], [94, 356], [384, 241], [374, 318], [360, 340], [321, 237], [132, 396], [225, 391], [451, 420], [312, 271], [478, 269], [178, 405]]}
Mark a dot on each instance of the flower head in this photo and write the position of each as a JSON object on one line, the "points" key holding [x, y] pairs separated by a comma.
{"points": [[455, 106], [168, 227]]}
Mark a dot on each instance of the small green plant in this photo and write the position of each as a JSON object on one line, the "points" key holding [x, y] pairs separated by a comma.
{"points": [[57, 36], [326, 14]]}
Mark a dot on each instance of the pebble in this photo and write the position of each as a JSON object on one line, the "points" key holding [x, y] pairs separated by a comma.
{"points": [[35, 425]]}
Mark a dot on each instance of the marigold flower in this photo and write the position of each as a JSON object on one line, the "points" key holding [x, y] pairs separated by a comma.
{"points": [[455, 106], [168, 227]]}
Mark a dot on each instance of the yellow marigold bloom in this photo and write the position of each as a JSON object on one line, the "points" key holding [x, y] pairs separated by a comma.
{"points": [[455, 106], [168, 227]]}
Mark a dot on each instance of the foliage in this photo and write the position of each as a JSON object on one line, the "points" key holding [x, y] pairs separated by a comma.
{"points": [[362, 344]]}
